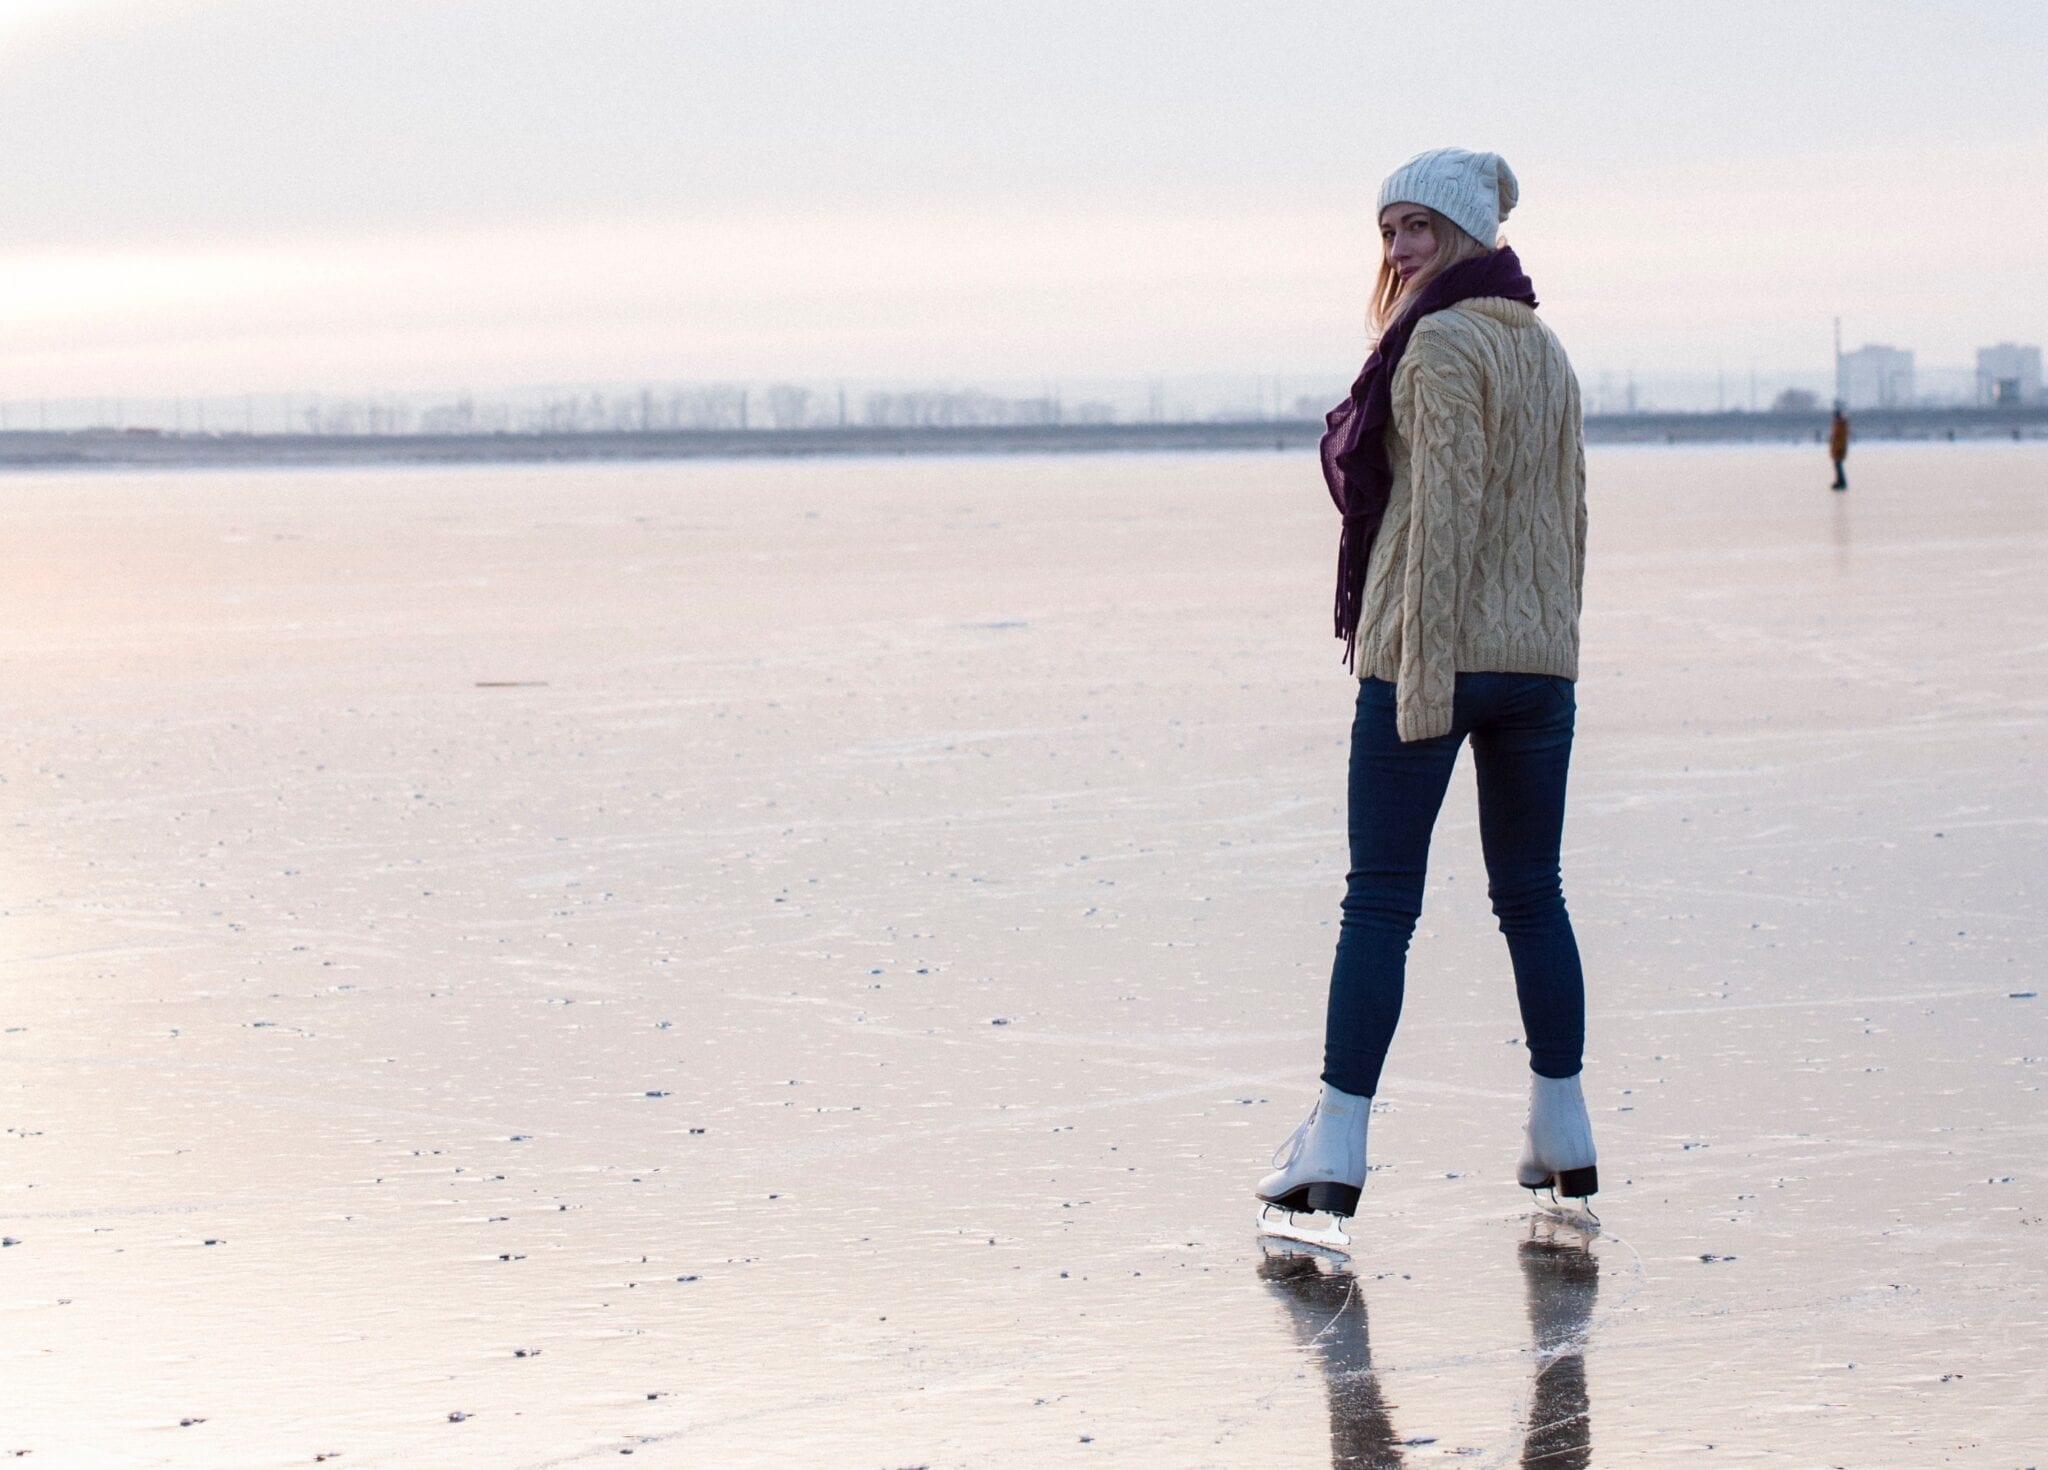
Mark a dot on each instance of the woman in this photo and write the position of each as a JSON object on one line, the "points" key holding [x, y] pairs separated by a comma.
{"points": [[1459, 468]]}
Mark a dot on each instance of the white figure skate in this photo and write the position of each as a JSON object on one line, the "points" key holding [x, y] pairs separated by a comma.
{"points": [[1319, 1171], [1557, 1145]]}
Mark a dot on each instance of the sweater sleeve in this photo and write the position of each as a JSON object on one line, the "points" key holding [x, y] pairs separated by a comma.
{"points": [[1441, 418]]}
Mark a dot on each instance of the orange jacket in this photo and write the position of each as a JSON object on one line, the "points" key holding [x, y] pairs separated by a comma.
{"points": [[1838, 440]]}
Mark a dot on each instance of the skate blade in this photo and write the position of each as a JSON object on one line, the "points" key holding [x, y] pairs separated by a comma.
{"points": [[1282, 1225], [1570, 1212], [1561, 1232]]}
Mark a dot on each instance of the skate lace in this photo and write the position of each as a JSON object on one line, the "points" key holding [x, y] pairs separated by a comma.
{"points": [[1285, 1155]]}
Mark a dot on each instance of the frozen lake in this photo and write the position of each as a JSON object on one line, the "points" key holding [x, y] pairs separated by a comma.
{"points": [[802, 963]]}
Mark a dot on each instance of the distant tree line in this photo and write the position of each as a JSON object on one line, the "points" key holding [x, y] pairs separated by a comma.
{"points": [[650, 409], [971, 409], [710, 406]]}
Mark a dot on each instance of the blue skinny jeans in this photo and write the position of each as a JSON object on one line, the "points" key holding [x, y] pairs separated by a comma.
{"points": [[1520, 726]]}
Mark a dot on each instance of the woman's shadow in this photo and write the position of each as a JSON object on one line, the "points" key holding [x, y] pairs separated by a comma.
{"points": [[1327, 1307]]}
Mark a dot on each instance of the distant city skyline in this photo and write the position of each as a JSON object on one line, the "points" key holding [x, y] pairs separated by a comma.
{"points": [[217, 198], [614, 405]]}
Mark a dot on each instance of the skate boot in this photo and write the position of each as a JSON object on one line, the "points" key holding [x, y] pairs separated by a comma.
{"points": [[1557, 1148], [1319, 1171]]}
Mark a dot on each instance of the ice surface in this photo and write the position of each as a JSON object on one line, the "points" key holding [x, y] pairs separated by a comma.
{"points": [[803, 963]]}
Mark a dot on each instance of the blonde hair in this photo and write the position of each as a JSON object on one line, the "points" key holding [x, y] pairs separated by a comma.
{"points": [[1391, 295]]}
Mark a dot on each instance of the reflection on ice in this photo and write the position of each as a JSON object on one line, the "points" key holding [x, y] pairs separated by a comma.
{"points": [[1326, 1307], [1563, 1281]]}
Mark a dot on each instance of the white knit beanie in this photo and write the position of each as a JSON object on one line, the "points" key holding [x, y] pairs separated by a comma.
{"points": [[1474, 191]]}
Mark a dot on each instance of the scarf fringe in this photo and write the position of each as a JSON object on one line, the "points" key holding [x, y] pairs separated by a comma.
{"points": [[1354, 554]]}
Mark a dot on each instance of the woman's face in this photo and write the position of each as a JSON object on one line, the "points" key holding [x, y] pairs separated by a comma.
{"points": [[1408, 236]]}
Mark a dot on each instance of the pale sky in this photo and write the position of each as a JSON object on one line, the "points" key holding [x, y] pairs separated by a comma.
{"points": [[220, 196]]}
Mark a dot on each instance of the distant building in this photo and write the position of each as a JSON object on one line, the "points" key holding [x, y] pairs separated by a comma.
{"points": [[1875, 377], [2008, 375]]}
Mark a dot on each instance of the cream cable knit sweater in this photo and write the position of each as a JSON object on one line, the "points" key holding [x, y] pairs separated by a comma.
{"points": [[1480, 562]]}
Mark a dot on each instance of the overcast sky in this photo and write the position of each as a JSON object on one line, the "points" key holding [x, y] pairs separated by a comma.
{"points": [[225, 195]]}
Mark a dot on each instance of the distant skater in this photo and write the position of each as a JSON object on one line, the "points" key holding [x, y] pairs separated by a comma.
{"points": [[1458, 465], [1838, 447]]}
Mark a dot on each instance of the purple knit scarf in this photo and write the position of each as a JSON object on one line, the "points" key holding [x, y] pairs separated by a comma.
{"points": [[1355, 431]]}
